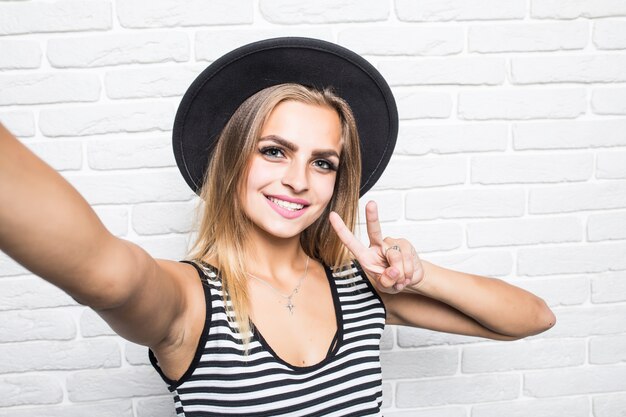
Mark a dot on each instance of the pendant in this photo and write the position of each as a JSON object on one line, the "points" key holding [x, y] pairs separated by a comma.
{"points": [[290, 306]]}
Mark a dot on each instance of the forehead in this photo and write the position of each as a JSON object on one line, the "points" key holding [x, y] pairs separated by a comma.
{"points": [[308, 125]]}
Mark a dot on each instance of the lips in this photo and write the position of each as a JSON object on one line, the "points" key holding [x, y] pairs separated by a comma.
{"points": [[287, 207]]}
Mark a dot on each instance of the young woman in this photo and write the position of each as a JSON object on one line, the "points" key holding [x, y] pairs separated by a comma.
{"points": [[279, 309]]}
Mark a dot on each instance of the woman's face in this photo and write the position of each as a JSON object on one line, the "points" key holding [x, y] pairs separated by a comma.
{"points": [[293, 169]]}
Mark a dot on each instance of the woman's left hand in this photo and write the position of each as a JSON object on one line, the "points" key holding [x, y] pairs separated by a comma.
{"points": [[393, 264]]}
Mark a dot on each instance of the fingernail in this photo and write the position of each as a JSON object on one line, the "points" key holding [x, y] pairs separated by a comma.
{"points": [[393, 273]]}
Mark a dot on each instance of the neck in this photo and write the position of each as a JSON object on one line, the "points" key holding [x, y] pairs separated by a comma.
{"points": [[280, 259]]}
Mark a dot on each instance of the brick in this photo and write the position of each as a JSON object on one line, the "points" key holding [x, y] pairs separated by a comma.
{"points": [[433, 10], [114, 383], [293, 12], [9, 267], [562, 69], [607, 349], [611, 405], [609, 34], [19, 54], [565, 9], [451, 138], [524, 354], [524, 104], [99, 51], [589, 380], [524, 231], [101, 119], [17, 326], [107, 154], [411, 172], [132, 187], [19, 123], [92, 325], [414, 104], [528, 37], [211, 44], [608, 101], [48, 88], [611, 165], [431, 412], [515, 169], [159, 406], [570, 259], [585, 321], [577, 197], [169, 13], [608, 287], [424, 237], [60, 155], [170, 247], [29, 390], [389, 203], [162, 218], [464, 203], [413, 337], [114, 218], [136, 354], [387, 395], [46, 356], [58, 16], [403, 41], [570, 406], [100, 409], [488, 263], [420, 363], [457, 390], [566, 291], [387, 341], [150, 82], [31, 293], [457, 71], [606, 226], [569, 135]]}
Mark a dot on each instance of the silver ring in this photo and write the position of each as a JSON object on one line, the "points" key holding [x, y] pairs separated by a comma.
{"points": [[395, 247]]}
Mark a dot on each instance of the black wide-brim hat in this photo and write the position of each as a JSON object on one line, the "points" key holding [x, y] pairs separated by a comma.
{"points": [[224, 85]]}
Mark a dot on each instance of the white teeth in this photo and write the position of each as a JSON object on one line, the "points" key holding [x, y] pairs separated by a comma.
{"points": [[286, 204]]}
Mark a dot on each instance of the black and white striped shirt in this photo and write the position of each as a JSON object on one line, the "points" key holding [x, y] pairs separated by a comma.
{"points": [[221, 381]]}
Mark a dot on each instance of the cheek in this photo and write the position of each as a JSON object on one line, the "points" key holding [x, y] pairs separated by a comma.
{"points": [[326, 187]]}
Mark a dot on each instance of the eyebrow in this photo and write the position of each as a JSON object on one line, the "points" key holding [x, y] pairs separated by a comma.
{"points": [[321, 153]]}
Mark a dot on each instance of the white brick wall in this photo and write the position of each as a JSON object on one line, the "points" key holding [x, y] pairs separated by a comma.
{"points": [[511, 162]]}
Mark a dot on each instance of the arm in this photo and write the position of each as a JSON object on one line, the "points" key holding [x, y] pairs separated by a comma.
{"points": [[46, 226], [456, 302], [421, 294]]}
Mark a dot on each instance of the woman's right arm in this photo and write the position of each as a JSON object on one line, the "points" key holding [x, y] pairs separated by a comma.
{"points": [[49, 228]]}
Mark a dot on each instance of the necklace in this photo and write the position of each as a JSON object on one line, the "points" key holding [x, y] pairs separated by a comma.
{"points": [[290, 305]]}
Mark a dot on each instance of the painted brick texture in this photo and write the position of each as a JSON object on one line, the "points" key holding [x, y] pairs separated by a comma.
{"points": [[510, 162]]}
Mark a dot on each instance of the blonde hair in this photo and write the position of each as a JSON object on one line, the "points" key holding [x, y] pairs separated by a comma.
{"points": [[222, 225]]}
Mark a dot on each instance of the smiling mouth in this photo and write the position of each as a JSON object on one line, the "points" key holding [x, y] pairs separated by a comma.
{"points": [[286, 204]]}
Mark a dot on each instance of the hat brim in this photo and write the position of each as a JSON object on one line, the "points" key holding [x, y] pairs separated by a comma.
{"points": [[220, 89]]}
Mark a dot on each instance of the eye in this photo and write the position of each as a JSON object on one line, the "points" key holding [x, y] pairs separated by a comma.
{"points": [[325, 165], [272, 152]]}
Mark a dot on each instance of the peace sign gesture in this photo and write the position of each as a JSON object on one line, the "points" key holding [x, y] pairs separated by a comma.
{"points": [[391, 263]]}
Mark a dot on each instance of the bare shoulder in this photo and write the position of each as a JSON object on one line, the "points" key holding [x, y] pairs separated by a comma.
{"points": [[177, 351]]}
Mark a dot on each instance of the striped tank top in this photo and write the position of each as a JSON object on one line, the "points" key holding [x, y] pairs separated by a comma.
{"points": [[221, 381]]}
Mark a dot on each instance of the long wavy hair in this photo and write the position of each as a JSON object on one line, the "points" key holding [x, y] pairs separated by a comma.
{"points": [[220, 221]]}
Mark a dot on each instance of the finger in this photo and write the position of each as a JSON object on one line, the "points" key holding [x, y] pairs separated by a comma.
{"points": [[352, 243], [395, 260], [388, 278], [408, 255], [374, 231]]}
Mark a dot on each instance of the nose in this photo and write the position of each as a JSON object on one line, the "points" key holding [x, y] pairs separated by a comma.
{"points": [[295, 177]]}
